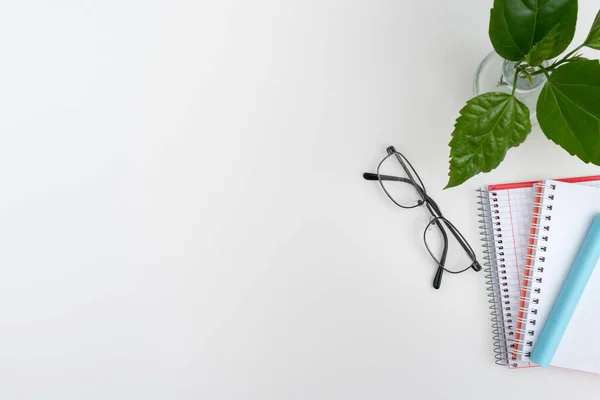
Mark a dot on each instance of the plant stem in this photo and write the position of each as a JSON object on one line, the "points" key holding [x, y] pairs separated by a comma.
{"points": [[565, 59], [571, 53], [539, 72], [520, 68], [556, 64], [517, 72], [545, 71]]}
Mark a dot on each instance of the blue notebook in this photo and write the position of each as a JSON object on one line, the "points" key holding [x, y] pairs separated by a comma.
{"points": [[568, 335]]}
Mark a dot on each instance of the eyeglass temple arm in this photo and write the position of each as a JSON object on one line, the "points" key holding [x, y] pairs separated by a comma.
{"points": [[391, 150], [373, 177], [462, 241], [434, 210]]}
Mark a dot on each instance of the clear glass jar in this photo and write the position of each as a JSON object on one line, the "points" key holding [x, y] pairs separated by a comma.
{"points": [[495, 74]]}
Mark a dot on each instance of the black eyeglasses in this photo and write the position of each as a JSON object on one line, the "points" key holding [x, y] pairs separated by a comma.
{"points": [[404, 187]]}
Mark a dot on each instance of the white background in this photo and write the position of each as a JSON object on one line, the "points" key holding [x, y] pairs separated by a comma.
{"points": [[182, 213]]}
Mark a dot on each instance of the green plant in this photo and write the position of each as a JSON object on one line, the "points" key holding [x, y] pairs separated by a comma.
{"points": [[530, 32]]}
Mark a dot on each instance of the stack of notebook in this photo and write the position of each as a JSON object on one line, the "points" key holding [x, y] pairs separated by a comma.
{"points": [[532, 233]]}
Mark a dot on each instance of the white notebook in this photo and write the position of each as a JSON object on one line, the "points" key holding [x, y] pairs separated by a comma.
{"points": [[562, 217]]}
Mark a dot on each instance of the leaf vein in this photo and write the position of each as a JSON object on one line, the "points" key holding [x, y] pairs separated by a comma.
{"points": [[565, 119], [571, 101], [489, 134], [537, 7]]}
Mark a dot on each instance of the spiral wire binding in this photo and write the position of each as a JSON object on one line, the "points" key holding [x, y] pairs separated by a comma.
{"points": [[495, 284], [536, 259]]}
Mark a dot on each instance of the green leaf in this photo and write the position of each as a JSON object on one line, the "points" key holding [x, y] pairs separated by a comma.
{"points": [[541, 50], [488, 126], [593, 39], [568, 109], [517, 25]]}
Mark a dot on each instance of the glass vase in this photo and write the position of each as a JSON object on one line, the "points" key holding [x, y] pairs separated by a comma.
{"points": [[495, 74]]}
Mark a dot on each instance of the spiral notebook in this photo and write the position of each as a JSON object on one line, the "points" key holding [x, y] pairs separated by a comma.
{"points": [[563, 214], [506, 215]]}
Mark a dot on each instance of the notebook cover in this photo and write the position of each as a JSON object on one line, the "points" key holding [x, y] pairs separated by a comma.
{"points": [[562, 216]]}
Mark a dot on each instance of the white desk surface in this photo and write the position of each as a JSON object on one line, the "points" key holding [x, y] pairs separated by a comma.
{"points": [[183, 214]]}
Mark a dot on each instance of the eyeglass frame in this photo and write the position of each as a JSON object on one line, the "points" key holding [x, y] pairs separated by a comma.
{"points": [[433, 209]]}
